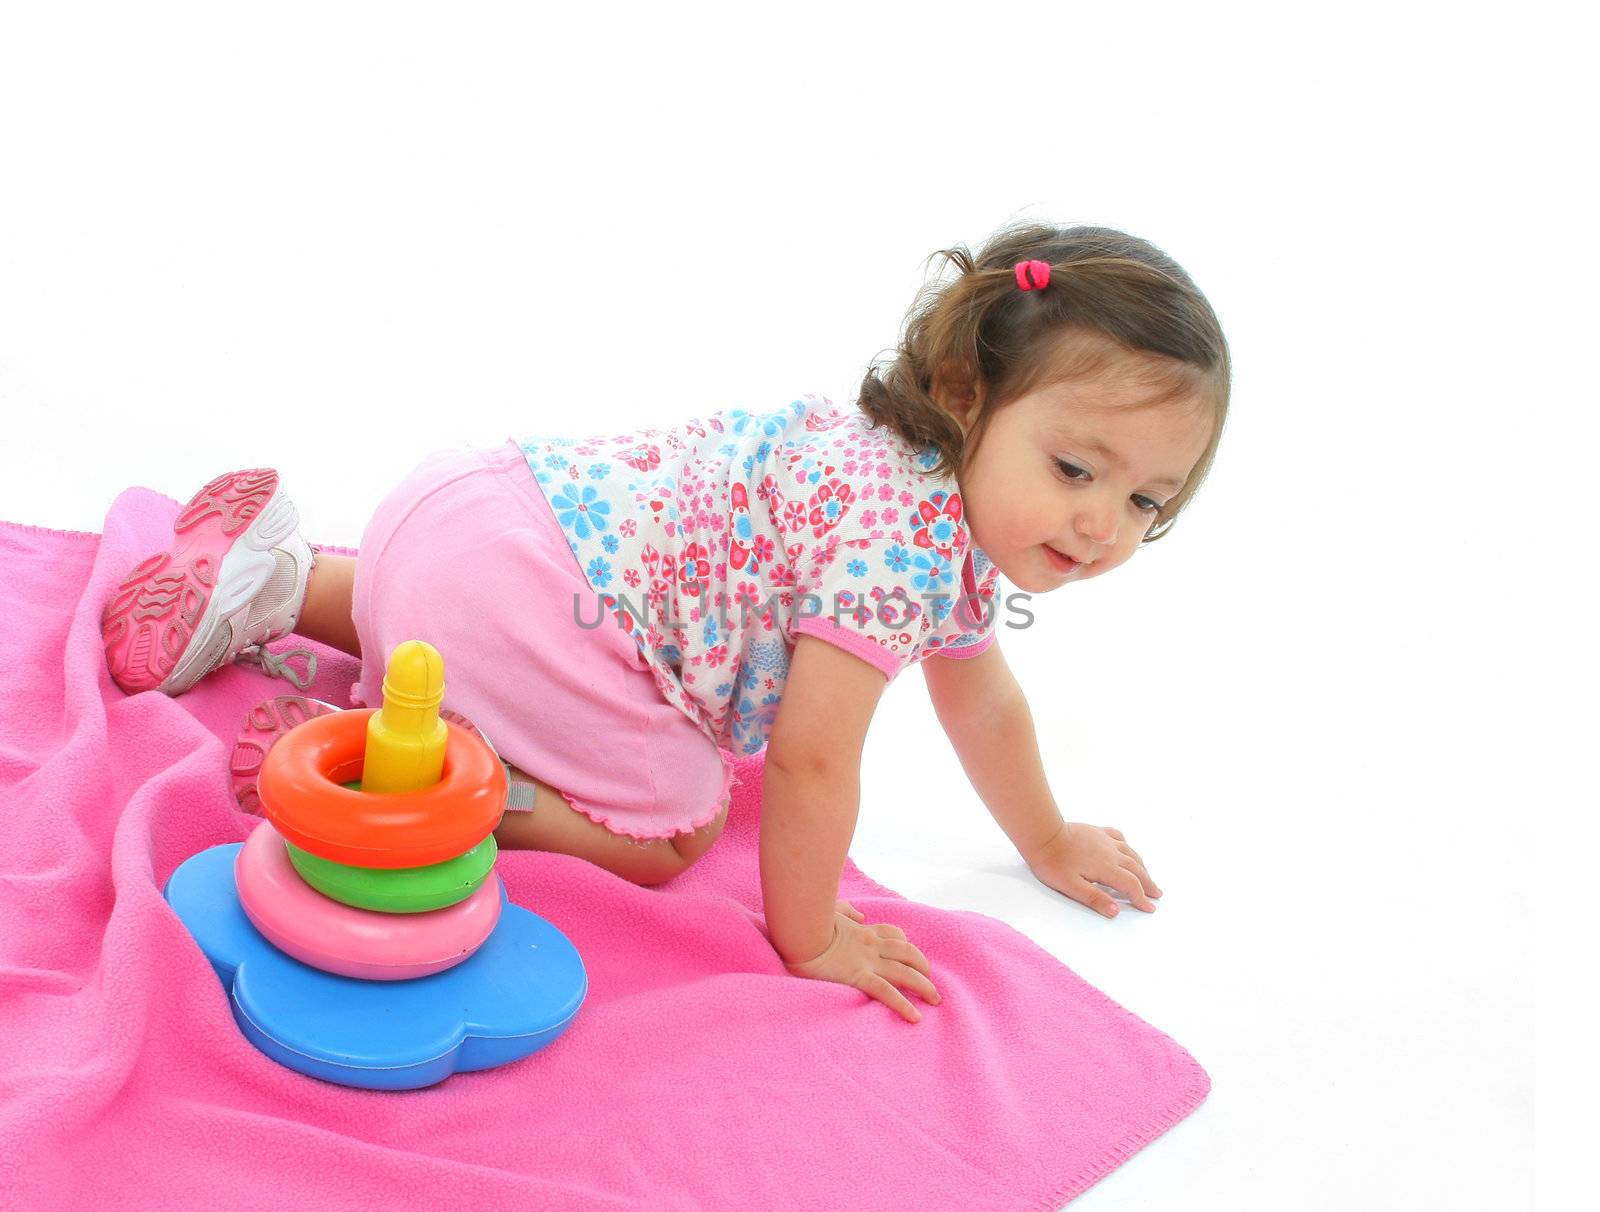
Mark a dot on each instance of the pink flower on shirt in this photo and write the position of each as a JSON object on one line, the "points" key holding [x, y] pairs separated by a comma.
{"points": [[829, 504], [742, 540], [936, 524], [694, 571]]}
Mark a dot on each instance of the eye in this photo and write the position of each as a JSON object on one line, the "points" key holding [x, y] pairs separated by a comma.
{"points": [[1067, 469]]}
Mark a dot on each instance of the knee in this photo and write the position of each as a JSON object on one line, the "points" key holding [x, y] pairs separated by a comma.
{"points": [[650, 867], [690, 846]]}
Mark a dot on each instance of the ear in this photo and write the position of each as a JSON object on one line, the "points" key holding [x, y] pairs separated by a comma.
{"points": [[959, 396]]}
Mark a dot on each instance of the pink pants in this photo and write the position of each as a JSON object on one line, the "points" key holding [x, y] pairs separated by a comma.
{"points": [[466, 555]]}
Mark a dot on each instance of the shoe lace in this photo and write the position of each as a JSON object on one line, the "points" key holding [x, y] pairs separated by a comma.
{"points": [[275, 664]]}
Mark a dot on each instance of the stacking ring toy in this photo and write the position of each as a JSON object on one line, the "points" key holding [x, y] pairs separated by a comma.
{"points": [[398, 889], [302, 797], [337, 938]]}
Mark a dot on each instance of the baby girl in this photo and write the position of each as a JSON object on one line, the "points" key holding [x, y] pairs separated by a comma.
{"points": [[624, 615]]}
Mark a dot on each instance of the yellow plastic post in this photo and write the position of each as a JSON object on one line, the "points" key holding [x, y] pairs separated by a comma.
{"points": [[406, 737]]}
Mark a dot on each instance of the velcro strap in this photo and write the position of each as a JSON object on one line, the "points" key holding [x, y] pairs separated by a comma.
{"points": [[522, 794]]}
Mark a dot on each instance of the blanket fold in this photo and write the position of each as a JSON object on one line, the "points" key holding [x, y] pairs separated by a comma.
{"points": [[698, 1073]]}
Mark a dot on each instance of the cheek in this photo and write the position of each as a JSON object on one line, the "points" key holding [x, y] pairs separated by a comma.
{"points": [[1116, 558]]}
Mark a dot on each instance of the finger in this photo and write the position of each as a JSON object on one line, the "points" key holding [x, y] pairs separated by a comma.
{"points": [[902, 974], [1137, 864], [906, 953], [1126, 882], [1116, 833], [886, 993], [887, 930], [849, 910], [1097, 899]]}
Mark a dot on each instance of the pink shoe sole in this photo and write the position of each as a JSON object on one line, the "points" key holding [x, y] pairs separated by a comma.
{"points": [[149, 621], [265, 723]]}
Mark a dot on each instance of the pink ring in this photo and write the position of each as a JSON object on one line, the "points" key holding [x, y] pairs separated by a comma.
{"points": [[339, 938]]}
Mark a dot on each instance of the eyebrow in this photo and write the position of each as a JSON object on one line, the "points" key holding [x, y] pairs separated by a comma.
{"points": [[1173, 482]]}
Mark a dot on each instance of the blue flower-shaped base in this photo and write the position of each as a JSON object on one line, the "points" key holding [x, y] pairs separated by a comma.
{"points": [[511, 997]]}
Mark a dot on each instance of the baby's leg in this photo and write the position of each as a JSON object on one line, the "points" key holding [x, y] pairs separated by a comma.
{"points": [[554, 825], [326, 616]]}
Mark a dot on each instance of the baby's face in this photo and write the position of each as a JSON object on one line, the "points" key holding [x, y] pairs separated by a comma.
{"points": [[1066, 469]]}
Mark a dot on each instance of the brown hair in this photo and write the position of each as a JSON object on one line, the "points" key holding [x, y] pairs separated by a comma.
{"points": [[1111, 296]]}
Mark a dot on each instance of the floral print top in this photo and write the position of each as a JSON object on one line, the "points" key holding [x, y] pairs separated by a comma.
{"points": [[718, 542]]}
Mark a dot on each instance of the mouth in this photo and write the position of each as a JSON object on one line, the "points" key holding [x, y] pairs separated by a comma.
{"points": [[1061, 563]]}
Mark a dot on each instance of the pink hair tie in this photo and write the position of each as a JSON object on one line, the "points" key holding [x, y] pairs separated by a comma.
{"points": [[1033, 275]]}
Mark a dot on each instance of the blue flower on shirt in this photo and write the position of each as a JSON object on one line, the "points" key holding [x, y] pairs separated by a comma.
{"points": [[611, 543], [897, 558], [767, 423], [856, 568], [756, 717], [599, 471], [579, 509], [757, 457], [933, 572], [555, 461], [942, 605], [711, 631], [927, 457], [769, 711], [599, 572]]}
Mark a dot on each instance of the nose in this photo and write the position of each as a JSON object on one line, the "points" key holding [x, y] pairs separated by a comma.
{"points": [[1098, 525]]}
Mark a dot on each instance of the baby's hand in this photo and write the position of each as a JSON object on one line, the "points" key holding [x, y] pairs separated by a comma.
{"points": [[873, 959], [1081, 856]]}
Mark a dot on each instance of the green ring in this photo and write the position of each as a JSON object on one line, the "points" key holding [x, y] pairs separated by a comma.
{"points": [[398, 889]]}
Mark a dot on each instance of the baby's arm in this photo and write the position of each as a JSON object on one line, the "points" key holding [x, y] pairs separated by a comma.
{"points": [[987, 718], [811, 794]]}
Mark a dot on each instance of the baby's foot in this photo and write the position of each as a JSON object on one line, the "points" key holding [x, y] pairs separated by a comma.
{"points": [[263, 725], [233, 580]]}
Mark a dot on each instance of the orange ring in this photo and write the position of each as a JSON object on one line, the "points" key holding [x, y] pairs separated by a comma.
{"points": [[300, 791]]}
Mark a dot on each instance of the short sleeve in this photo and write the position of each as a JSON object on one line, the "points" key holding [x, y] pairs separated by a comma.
{"points": [[975, 615], [888, 598], [971, 644]]}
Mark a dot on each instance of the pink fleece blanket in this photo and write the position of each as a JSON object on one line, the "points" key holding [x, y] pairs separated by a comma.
{"points": [[697, 1074]]}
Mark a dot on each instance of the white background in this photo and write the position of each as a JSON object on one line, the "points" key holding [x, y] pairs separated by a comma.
{"points": [[1328, 709]]}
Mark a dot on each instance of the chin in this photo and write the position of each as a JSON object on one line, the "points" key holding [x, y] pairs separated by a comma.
{"points": [[1044, 584]]}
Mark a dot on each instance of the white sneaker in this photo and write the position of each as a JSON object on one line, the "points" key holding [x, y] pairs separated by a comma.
{"points": [[234, 580]]}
